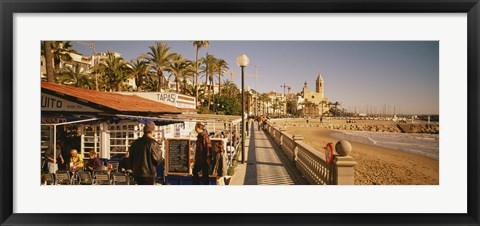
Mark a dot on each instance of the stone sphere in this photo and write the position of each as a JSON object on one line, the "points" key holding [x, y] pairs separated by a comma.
{"points": [[343, 147]]}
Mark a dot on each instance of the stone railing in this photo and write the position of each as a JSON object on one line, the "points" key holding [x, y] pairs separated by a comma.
{"points": [[311, 163]]}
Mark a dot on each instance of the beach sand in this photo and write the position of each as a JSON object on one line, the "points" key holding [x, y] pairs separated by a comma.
{"points": [[377, 165]]}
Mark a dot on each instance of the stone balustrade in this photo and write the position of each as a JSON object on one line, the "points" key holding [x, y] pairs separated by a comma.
{"points": [[311, 163]]}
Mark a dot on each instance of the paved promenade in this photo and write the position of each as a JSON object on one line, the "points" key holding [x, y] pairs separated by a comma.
{"points": [[265, 164]]}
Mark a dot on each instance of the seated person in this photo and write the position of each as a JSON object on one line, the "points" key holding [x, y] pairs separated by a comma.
{"points": [[234, 139], [76, 161], [220, 166], [125, 165], [95, 163], [230, 148]]}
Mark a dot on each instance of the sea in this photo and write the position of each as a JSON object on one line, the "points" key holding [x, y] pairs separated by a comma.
{"points": [[417, 143]]}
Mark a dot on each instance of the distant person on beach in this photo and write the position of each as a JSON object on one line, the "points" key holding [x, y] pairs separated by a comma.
{"points": [[145, 155], [202, 155], [220, 167]]}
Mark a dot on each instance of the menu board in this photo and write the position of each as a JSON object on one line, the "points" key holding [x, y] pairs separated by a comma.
{"points": [[177, 156]]}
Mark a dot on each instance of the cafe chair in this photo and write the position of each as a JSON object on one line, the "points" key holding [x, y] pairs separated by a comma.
{"points": [[131, 179], [86, 163], [102, 178], [120, 179], [115, 165], [85, 178], [47, 179], [63, 177]]}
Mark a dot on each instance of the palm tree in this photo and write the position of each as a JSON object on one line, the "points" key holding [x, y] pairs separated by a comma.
{"points": [[187, 88], [303, 107], [149, 84], [307, 104], [115, 71], [275, 105], [222, 67], [139, 72], [188, 75], [315, 107], [209, 67], [212, 69], [202, 95], [49, 60], [73, 76], [198, 45], [229, 88], [179, 67], [61, 52], [159, 59]]}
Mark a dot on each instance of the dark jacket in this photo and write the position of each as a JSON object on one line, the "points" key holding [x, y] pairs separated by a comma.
{"points": [[96, 163], [202, 148], [125, 164], [145, 154]]}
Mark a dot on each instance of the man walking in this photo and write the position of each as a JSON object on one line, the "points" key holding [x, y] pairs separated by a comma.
{"points": [[202, 155], [145, 154]]}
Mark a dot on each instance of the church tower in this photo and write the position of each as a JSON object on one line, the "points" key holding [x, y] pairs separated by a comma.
{"points": [[320, 86], [305, 89]]}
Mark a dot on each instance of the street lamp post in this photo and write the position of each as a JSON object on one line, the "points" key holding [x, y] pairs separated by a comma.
{"points": [[242, 62], [285, 97], [91, 45], [256, 91]]}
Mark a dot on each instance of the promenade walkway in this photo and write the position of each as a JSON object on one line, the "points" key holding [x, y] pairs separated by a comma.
{"points": [[265, 163]]}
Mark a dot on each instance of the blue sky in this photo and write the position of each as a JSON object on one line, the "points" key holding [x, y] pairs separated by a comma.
{"points": [[404, 75]]}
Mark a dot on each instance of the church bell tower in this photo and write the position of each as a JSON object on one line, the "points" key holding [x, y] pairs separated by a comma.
{"points": [[320, 86]]}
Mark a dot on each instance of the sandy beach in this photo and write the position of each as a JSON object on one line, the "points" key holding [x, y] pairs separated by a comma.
{"points": [[376, 165]]}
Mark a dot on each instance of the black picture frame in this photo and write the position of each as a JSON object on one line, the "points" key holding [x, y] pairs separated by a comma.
{"points": [[10, 7]]}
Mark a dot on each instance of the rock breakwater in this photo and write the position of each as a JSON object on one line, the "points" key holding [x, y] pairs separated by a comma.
{"points": [[419, 128], [391, 128]]}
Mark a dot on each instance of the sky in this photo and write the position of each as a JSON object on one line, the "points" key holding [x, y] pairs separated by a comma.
{"points": [[399, 76]]}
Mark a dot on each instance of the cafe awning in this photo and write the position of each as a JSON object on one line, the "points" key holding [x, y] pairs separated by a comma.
{"points": [[67, 99]]}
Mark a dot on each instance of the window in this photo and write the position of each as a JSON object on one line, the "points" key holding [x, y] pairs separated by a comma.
{"points": [[121, 137], [90, 139], [46, 138]]}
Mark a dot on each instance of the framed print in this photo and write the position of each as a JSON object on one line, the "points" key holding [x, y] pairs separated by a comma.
{"points": [[376, 100]]}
